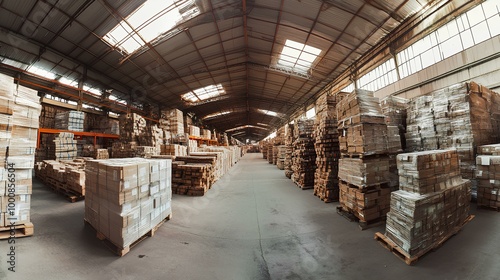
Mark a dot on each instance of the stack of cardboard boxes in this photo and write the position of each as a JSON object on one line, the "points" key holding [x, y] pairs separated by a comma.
{"points": [[62, 147], [364, 164], [70, 120], [19, 118], [289, 140], [433, 203], [127, 198], [488, 176]]}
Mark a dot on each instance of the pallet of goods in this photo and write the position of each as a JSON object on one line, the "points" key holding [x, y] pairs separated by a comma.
{"points": [[173, 150], [19, 119], [364, 163], [127, 199], [62, 146], [463, 116], [193, 179], [194, 131], [172, 121], [326, 144], [304, 158], [488, 176], [280, 156], [70, 120], [432, 205], [289, 140]]}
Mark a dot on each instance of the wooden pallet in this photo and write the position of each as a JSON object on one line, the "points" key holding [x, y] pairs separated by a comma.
{"points": [[362, 224], [363, 155], [122, 251], [19, 231], [365, 188], [411, 260], [70, 195]]}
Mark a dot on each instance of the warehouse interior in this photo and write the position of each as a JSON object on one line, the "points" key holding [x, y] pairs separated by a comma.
{"points": [[227, 139]]}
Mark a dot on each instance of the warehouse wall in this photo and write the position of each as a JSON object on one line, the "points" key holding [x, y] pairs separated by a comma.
{"points": [[480, 63]]}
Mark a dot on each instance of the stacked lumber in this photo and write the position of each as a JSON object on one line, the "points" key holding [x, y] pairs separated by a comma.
{"points": [[463, 116], [190, 179], [275, 155], [127, 198], [70, 120], [304, 157], [62, 146], [488, 176], [433, 203], [19, 119], [48, 115], [173, 149], [123, 150], [327, 148], [289, 140], [364, 164], [270, 154], [280, 157], [101, 154]]}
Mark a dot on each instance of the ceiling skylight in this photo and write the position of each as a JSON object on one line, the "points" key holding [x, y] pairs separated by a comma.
{"points": [[216, 115], [153, 18], [95, 91], [297, 57], [204, 93], [69, 82], [42, 72], [269, 113]]}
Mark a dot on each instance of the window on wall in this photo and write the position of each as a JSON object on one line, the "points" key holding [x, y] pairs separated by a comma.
{"points": [[471, 28], [379, 77], [311, 113]]}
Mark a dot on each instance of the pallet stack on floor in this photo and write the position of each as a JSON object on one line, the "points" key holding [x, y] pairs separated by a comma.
{"points": [[19, 119], [463, 116], [488, 176], [135, 137], [395, 112], [62, 146], [280, 158], [289, 148], [127, 199], [66, 177], [432, 204], [304, 158], [173, 150], [327, 148], [364, 164]]}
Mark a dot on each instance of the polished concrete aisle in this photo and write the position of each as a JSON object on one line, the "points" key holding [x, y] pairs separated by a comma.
{"points": [[253, 224]]}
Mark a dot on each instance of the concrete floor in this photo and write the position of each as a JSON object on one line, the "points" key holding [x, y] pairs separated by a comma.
{"points": [[253, 224]]}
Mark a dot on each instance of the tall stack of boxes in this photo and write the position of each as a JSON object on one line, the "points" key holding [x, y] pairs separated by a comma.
{"points": [[488, 176], [304, 158], [280, 158], [172, 121], [289, 140], [327, 148], [463, 116], [432, 204], [395, 112], [127, 198], [70, 120], [62, 146], [364, 164], [19, 113]]}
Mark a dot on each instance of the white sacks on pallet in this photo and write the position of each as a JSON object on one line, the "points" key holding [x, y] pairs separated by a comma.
{"points": [[126, 198]]}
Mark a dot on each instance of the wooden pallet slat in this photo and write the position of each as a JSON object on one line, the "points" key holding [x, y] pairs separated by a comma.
{"points": [[24, 230]]}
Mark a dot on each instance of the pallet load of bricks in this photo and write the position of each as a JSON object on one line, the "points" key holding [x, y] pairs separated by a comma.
{"points": [[326, 144], [19, 113], [289, 140], [488, 176], [364, 162], [432, 204], [127, 199], [70, 120], [66, 177], [304, 157], [463, 116], [395, 112]]}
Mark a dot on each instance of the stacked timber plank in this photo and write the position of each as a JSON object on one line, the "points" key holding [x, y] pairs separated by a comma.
{"points": [[463, 116], [432, 205], [304, 158], [172, 121], [270, 154], [280, 157], [488, 176], [70, 120], [193, 175], [327, 148], [62, 147], [19, 114], [263, 148], [101, 154], [364, 164], [289, 140], [127, 199], [173, 150]]}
